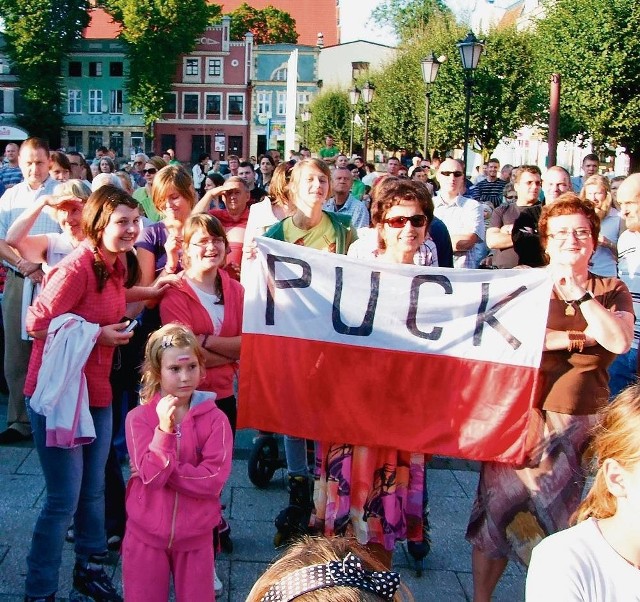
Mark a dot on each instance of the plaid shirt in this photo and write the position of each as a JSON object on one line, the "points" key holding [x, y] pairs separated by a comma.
{"points": [[71, 287]]}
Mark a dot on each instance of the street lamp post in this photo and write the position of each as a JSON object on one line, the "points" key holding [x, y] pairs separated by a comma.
{"points": [[367, 93], [430, 65], [470, 50], [306, 117], [354, 97]]}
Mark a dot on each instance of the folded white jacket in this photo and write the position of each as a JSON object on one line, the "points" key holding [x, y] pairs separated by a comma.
{"points": [[61, 392]]}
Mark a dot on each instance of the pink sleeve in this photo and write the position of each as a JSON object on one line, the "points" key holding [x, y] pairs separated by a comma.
{"points": [[152, 451], [173, 308], [207, 479]]}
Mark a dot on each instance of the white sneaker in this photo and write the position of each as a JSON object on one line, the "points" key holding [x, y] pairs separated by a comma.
{"points": [[217, 584]]}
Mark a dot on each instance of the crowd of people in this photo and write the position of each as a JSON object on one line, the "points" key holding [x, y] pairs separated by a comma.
{"points": [[122, 312]]}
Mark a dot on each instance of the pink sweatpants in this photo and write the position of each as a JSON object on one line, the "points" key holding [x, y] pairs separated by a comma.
{"points": [[146, 572]]}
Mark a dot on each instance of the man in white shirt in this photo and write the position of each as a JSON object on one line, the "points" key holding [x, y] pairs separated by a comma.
{"points": [[624, 369], [34, 163], [463, 216]]}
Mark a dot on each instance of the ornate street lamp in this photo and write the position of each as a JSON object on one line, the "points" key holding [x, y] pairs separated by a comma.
{"points": [[430, 65], [367, 93], [470, 50], [306, 118], [354, 97]]}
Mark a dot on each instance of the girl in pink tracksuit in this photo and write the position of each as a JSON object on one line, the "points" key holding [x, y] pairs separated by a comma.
{"points": [[180, 446]]}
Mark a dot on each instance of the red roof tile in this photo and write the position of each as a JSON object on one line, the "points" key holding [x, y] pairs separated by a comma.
{"points": [[101, 26], [312, 17]]}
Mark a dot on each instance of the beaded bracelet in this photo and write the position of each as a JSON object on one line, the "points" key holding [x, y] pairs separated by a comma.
{"points": [[577, 339]]}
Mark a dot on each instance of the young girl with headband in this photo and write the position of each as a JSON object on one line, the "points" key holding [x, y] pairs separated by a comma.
{"points": [[599, 558], [180, 446]]}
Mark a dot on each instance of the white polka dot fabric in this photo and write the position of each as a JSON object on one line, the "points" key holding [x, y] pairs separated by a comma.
{"points": [[348, 573]]}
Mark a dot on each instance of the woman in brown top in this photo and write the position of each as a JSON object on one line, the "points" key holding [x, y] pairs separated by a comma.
{"points": [[590, 321]]}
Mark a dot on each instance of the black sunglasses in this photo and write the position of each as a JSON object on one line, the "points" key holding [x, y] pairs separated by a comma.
{"points": [[456, 174], [417, 221], [150, 171]]}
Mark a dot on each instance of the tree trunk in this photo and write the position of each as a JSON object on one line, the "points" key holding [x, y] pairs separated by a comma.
{"points": [[634, 163]]}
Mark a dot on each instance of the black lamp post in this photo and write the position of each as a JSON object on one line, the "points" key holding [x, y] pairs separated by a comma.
{"points": [[470, 50], [306, 117], [367, 93], [354, 97], [430, 65]]}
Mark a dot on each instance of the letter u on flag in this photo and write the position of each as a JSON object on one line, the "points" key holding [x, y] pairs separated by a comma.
{"points": [[431, 360]]}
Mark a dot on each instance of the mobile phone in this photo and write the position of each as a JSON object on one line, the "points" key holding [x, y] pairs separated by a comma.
{"points": [[132, 324]]}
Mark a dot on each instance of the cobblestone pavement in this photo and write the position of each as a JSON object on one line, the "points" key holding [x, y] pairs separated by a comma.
{"points": [[251, 511]]}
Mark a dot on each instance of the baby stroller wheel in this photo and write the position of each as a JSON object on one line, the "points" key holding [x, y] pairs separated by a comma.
{"points": [[263, 461]]}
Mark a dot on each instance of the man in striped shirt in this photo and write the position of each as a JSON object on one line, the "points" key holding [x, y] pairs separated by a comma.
{"points": [[489, 190]]}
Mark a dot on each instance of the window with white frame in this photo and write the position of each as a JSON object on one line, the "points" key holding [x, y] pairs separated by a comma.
{"points": [[235, 104], [214, 67], [264, 103], [95, 101], [192, 66], [304, 99], [214, 104], [115, 104], [190, 103], [74, 101], [279, 74], [281, 107]]}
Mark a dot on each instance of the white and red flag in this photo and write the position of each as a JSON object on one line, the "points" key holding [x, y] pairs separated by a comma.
{"points": [[431, 360]]}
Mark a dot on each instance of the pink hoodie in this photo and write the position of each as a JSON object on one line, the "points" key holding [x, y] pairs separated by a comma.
{"points": [[173, 496]]}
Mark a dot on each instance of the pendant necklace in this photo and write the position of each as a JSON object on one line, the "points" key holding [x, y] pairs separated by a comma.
{"points": [[569, 309]]}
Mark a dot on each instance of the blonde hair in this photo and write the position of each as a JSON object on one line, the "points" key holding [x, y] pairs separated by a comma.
{"points": [[170, 335], [617, 437], [72, 188], [604, 183], [296, 174], [172, 176], [310, 551]]}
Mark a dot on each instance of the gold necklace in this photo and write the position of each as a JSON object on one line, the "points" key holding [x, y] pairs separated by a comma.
{"points": [[569, 309]]}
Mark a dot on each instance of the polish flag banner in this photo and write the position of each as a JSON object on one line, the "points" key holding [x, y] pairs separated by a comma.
{"points": [[434, 360]]}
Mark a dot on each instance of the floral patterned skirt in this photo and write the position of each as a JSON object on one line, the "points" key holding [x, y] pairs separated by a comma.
{"points": [[515, 508], [377, 491]]}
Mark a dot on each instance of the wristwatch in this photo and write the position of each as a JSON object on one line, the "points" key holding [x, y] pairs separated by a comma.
{"points": [[586, 297]]}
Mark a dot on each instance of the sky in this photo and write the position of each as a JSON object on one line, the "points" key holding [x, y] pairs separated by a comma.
{"points": [[355, 25]]}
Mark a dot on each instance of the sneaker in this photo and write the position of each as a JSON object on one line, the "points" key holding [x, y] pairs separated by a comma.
{"points": [[90, 580], [114, 542], [217, 584]]}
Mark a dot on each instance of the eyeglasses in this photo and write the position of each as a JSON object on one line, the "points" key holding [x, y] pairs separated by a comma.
{"points": [[203, 244], [579, 233], [455, 174], [138, 163], [511, 197], [150, 171], [417, 221]]}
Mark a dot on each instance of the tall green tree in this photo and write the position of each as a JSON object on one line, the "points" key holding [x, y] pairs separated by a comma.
{"points": [[502, 101], [156, 33], [268, 25], [594, 46], [408, 18], [330, 114], [39, 34]]}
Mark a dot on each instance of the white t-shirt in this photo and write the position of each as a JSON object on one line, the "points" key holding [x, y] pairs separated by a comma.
{"points": [[579, 564]]}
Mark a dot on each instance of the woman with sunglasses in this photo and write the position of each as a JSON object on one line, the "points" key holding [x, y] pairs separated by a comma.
{"points": [[590, 321], [143, 194], [378, 494]]}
